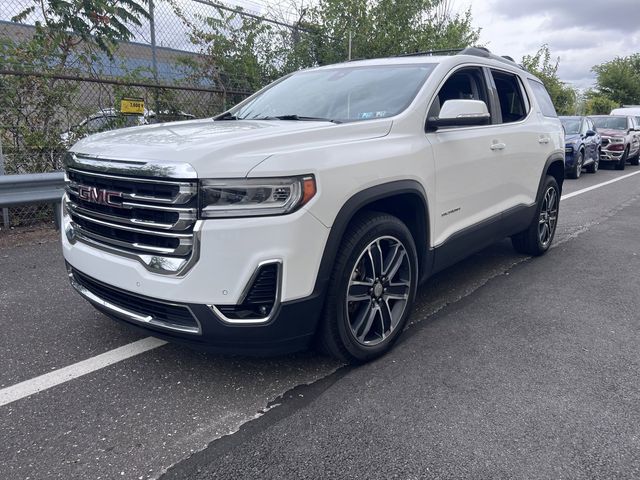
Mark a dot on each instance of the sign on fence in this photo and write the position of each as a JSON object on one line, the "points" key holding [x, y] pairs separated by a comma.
{"points": [[132, 106]]}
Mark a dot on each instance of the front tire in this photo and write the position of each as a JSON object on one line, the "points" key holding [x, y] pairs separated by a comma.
{"points": [[623, 160], [576, 171], [536, 239], [635, 160], [371, 290]]}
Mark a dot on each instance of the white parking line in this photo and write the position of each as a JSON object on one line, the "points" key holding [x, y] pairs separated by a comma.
{"points": [[593, 187], [62, 375]]}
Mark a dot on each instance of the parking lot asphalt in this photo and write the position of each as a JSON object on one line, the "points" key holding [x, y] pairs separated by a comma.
{"points": [[535, 375], [511, 368]]}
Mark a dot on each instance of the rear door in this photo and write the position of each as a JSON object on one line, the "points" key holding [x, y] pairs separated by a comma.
{"points": [[591, 143], [520, 158], [549, 132]]}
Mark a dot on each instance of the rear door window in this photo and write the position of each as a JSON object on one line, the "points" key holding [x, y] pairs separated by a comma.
{"points": [[511, 97]]}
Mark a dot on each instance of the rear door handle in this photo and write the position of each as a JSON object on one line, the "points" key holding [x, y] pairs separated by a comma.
{"points": [[498, 146], [544, 140]]}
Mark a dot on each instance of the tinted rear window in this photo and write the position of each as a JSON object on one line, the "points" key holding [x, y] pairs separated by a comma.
{"points": [[543, 98]]}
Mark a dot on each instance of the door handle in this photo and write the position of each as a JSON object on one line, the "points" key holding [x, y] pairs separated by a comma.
{"points": [[544, 140], [498, 146]]}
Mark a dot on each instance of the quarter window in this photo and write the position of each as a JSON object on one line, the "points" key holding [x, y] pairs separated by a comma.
{"points": [[543, 98], [510, 96]]}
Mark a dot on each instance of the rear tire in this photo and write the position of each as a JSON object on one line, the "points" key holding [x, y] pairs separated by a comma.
{"points": [[537, 238], [593, 168], [371, 290]]}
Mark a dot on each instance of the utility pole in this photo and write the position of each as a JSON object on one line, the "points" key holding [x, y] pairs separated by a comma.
{"points": [[154, 58], [5, 211]]}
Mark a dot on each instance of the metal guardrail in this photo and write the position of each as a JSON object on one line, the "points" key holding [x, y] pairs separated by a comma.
{"points": [[17, 190]]}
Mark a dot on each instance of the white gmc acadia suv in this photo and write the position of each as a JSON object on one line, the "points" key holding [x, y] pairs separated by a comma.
{"points": [[313, 209]]}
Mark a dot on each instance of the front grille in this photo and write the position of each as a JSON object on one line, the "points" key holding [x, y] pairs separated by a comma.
{"points": [[164, 315], [133, 215], [605, 142]]}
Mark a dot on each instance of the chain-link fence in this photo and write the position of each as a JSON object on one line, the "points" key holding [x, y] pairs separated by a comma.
{"points": [[188, 59]]}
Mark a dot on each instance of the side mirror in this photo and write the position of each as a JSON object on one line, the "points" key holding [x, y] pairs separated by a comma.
{"points": [[590, 133], [460, 113]]}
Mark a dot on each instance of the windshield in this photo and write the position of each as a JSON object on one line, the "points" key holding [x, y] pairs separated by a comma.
{"points": [[571, 125], [340, 94], [614, 123]]}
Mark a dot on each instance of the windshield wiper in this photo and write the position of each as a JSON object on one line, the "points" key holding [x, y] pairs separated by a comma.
{"points": [[298, 118], [226, 116]]}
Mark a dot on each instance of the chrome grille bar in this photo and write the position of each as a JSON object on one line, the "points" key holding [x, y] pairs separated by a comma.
{"points": [[185, 191], [185, 217]]}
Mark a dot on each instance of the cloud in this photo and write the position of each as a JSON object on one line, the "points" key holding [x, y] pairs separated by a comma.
{"points": [[582, 33], [618, 15]]}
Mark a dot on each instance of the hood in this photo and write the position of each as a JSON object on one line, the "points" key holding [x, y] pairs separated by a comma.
{"points": [[223, 148], [611, 133]]}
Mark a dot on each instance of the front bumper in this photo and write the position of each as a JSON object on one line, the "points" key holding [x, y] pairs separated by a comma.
{"points": [[290, 329], [231, 251], [607, 155]]}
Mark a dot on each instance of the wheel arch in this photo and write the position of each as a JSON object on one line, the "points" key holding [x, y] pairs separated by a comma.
{"points": [[554, 166], [405, 199]]}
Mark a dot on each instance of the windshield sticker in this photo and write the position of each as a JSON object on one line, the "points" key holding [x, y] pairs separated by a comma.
{"points": [[367, 115]]}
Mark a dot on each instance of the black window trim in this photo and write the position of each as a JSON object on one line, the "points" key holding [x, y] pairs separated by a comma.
{"points": [[488, 90], [523, 92]]}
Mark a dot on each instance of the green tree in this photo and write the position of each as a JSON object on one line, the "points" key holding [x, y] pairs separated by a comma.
{"points": [[619, 79], [36, 101], [244, 53], [68, 23], [564, 97], [389, 27], [598, 104]]}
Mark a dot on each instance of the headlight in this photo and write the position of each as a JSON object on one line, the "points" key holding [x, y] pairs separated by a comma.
{"points": [[255, 196]]}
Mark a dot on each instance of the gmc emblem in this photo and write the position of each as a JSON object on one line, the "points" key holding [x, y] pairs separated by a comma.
{"points": [[100, 196]]}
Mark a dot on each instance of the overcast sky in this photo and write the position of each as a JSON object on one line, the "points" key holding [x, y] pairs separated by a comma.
{"points": [[582, 33]]}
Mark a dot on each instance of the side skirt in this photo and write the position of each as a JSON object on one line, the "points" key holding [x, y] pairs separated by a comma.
{"points": [[476, 237]]}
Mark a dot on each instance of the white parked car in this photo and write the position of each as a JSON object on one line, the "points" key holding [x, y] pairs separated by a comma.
{"points": [[632, 111], [110, 119], [313, 210]]}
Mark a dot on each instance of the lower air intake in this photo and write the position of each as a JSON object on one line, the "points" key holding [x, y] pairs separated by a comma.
{"points": [[260, 299]]}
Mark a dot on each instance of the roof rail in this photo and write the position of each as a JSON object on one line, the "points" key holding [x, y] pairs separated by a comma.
{"points": [[485, 53], [430, 53], [475, 51]]}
